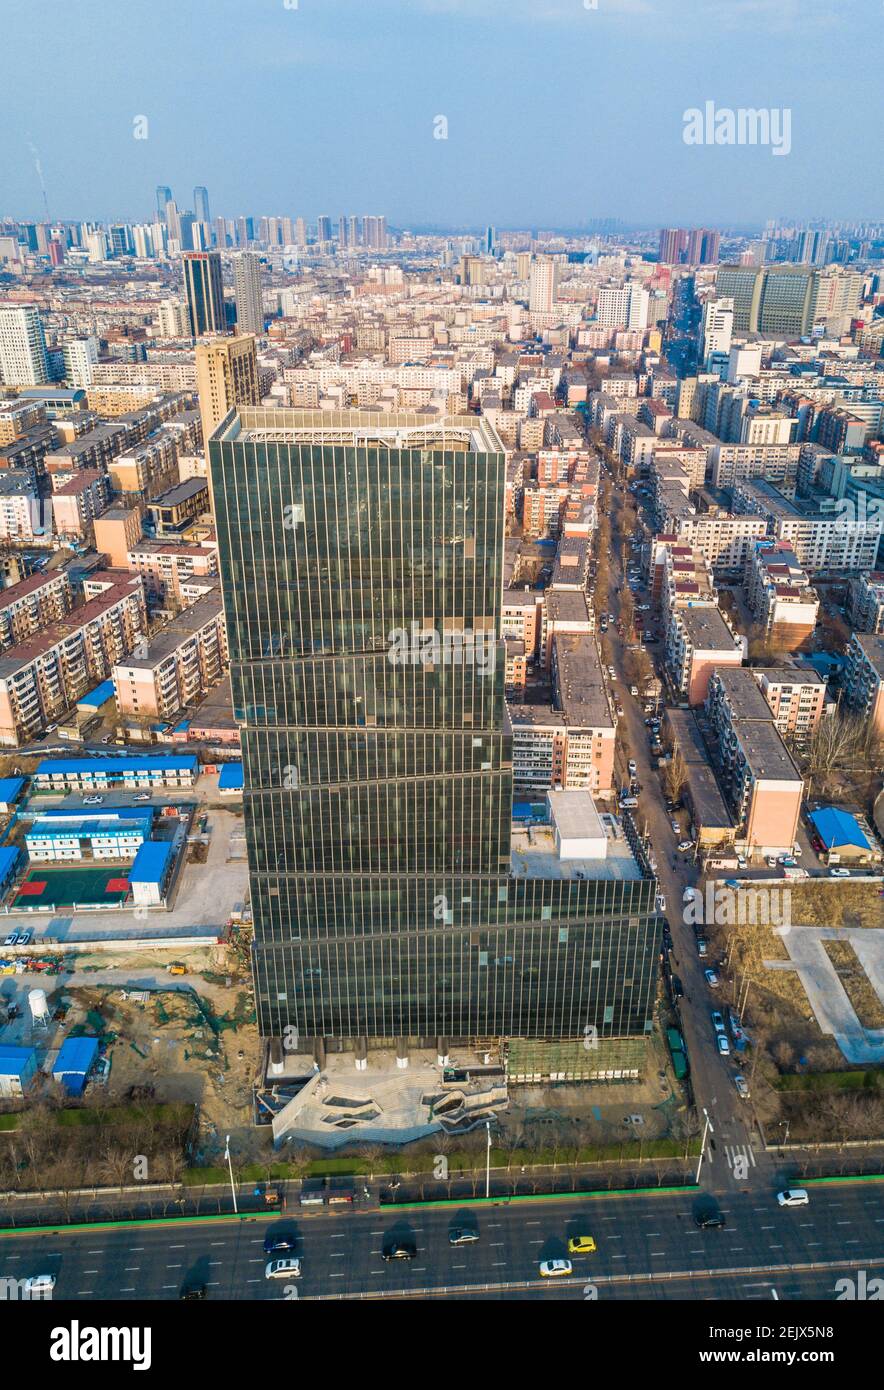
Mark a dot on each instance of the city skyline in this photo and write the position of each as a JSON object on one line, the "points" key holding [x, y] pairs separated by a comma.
{"points": [[630, 70]]}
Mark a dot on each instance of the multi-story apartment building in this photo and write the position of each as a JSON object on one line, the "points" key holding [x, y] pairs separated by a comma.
{"points": [[780, 596], [797, 698], [569, 744], [697, 641], [758, 775], [23, 360], [821, 541], [43, 676], [686, 580], [865, 604], [181, 663], [226, 375], [172, 512], [24, 515], [77, 502], [726, 541], [31, 604], [864, 677], [169, 570], [148, 471]]}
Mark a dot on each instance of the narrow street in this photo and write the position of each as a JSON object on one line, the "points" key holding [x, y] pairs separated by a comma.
{"points": [[711, 1074]]}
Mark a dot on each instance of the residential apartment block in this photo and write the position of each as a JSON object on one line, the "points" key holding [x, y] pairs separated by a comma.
{"points": [[864, 677], [697, 641], [185, 660]]}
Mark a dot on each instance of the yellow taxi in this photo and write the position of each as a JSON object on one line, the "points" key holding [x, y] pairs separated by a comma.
{"points": [[581, 1245]]}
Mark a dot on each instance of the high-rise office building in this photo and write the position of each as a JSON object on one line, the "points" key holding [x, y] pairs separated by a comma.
{"points": [[23, 360], [342, 233], [164, 196], [173, 221], [362, 570], [353, 237], [203, 293], [201, 204], [490, 239], [702, 247], [247, 293], [323, 229], [543, 284], [226, 376]]}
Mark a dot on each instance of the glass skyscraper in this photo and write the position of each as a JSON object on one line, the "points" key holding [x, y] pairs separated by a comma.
{"points": [[361, 560]]}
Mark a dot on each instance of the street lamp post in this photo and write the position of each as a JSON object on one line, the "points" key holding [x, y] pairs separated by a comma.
{"points": [[230, 1168], [707, 1129], [488, 1159]]}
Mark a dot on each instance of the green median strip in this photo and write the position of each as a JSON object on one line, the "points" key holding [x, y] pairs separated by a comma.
{"points": [[542, 1197], [74, 1226]]}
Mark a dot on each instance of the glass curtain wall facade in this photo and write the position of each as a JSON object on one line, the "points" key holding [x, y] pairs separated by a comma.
{"points": [[361, 560]]}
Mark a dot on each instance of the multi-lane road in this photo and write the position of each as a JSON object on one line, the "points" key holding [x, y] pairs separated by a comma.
{"points": [[648, 1246]]}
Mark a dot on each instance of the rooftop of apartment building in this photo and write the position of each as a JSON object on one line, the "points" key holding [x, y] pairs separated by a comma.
{"points": [[394, 429], [765, 752], [706, 629], [181, 492], [147, 547], [564, 605], [81, 482], [743, 694], [872, 645], [189, 621], [789, 675], [580, 688]]}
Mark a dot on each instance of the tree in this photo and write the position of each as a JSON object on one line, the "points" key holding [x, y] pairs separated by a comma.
{"points": [[674, 776]]}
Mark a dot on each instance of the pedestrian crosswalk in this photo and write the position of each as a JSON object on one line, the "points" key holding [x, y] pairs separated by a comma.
{"points": [[740, 1158]]}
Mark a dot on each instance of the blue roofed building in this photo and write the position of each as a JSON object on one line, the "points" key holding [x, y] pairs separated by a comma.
{"points": [[74, 1062], [843, 837], [230, 779], [78, 833], [105, 771], [10, 790], [150, 874], [10, 855], [17, 1066], [98, 699]]}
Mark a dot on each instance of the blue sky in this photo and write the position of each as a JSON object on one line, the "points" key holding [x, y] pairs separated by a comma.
{"points": [[557, 113]]}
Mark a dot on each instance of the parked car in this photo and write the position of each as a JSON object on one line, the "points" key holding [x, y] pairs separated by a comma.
{"points": [[717, 1021], [661, 902], [742, 1086], [11, 939], [555, 1269], [23, 938], [92, 800], [793, 1197], [724, 1046], [684, 846], [632, 766], [143, 796], [839, 873], [702, 948], [676, 828], [711, 979]]}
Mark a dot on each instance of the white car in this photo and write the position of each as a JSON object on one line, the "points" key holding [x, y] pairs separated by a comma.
{"points": [[39, 1286], [676, 828], [11, 939], [555, 1269], [793, 1197], [724, 1046], [684, 846], [283, 1269], [839, 873], [661, 902], [632, 766], [92, 800], [742, 1086], [142, 796], [691, 895]]}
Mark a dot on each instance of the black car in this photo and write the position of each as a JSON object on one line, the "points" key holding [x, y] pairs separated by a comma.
{"points": [[401, 1250], [192, 1292], [677, 987], [278, 1242], [711, 1221], [460, 1235]]}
